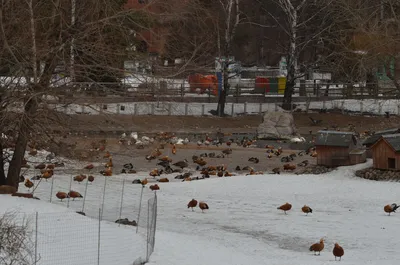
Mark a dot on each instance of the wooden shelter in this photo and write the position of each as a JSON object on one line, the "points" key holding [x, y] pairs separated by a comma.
{"points": [[386, 152], [370, 141], [338, 149]]}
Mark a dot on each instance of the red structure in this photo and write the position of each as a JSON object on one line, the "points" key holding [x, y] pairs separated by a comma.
{"points": [[150, 38], [203, 82], [154, 39]]}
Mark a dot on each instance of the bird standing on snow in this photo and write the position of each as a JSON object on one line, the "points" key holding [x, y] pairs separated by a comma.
{"points": [[203, 206], [306, 209], [317, 247], [62, 195], [285, 207], [74, 194], [192, 204], [29, 184], [154, 187], [338, 251], [391, 208]]}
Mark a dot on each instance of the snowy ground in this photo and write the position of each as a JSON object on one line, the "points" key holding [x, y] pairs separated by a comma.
{"points": [[195, 109], [65, 237], [242, 226]]}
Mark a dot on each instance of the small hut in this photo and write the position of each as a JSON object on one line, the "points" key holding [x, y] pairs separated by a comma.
{"points": [[338, 149], [386, 152], [370, 141]]}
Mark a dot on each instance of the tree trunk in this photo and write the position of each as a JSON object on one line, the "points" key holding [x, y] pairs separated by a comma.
{"points": [[223, 94], [292, 54], [289, 88], [14, 169], [2, 174], [372, 83]]}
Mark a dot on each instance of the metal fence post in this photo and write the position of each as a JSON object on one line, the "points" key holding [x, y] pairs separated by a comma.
{"points": [[36, 237], [148, 231], [140, 207], [104, 197], [182, 91], [70, 186], [99, 237], [155, 210], [51, 188], [186, 109], [122, 200], [84, 196], [169, 109]]}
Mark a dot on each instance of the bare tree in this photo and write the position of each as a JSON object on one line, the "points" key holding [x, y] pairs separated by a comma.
{"points": [[231, 20], [16, 244], [205, 30], [189, 34], [303, 24], [368, 41], [37, 36]]}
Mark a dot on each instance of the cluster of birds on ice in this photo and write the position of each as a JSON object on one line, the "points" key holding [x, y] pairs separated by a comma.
{"points": [[133, 139]]}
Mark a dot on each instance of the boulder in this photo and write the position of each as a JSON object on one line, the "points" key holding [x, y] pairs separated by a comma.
{"points": [[277, 125], [126, 221]]}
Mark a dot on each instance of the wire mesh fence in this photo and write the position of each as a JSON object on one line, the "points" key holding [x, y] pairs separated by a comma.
{"points": [[118, 198], [119, 226]]}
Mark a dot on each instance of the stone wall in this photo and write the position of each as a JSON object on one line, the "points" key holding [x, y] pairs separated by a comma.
{"points": [[378, 174], [315, 170]]}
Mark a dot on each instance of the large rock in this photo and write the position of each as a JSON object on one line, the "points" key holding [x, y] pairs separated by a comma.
{"points": [[277, 125], [126, 221]]}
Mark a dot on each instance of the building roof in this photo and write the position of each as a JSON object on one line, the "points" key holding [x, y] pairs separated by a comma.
{"points": [[377, 135], [357, 152], [393, 140], [335, 138]]}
